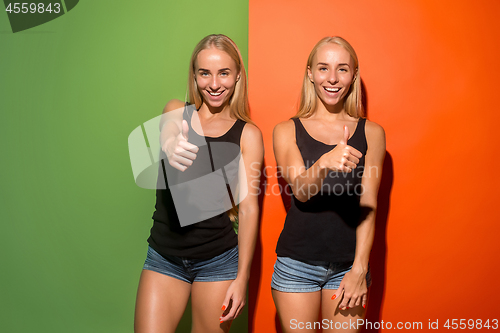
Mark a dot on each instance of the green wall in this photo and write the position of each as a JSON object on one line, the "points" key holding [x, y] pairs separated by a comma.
{"points": [[73, 223]]}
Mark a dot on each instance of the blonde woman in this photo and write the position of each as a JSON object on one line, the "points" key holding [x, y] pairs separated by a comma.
{"points": [[331, 158], [206, 261]]}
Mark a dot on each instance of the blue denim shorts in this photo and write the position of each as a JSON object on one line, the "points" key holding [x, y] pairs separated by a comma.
{"points": [[294, 276], [219, 268]]}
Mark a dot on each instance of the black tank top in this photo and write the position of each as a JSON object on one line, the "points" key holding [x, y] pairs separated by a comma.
{"points": [[324, 227], [201, 240]]}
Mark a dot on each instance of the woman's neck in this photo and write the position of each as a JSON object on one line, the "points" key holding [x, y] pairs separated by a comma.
{"points": [[330, 112], [206, 111]]}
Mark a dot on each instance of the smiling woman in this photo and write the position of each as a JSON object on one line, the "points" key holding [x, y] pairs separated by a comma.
{"points": [[334, 176], [205, 259]]}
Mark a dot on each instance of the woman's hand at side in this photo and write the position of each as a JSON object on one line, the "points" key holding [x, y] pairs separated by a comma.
{"points": [[235, 300], [354, 289]]}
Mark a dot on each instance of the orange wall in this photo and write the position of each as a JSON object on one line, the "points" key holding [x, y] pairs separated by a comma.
{"points": [[430, 69]]}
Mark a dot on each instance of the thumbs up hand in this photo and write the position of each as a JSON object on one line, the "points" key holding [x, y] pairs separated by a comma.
{"points": [[180, 153], [343, 157]]}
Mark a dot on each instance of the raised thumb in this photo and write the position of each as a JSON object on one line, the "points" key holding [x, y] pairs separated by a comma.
{"points": [[185, 129], [346, 135]]}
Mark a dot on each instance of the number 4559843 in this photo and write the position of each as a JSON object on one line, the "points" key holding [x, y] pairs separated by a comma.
{"points": [[470, 324], [33, 8]]}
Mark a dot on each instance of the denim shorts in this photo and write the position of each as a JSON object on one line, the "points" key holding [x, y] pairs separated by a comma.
{"points": [[219, 268], [294, 276]]}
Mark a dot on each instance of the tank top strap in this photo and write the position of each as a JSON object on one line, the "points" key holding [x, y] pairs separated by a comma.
{"points": [[187, 114], [299, 130], [359, 135], [360, 129]]}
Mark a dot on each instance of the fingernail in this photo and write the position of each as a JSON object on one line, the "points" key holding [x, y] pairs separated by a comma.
{"points": [[364, 305], [221, 322], [346, 307], [334, 296], [223, 307]]}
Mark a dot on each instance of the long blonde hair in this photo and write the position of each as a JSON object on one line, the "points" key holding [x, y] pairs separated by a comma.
{"points": [[238, 103], [352, 103]]}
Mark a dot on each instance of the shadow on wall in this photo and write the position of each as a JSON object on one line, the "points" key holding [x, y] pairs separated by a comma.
{"points": [[256, 269], [379, 248]]}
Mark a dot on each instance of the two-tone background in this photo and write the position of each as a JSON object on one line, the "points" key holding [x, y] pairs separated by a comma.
{"points": [[74, 224]]}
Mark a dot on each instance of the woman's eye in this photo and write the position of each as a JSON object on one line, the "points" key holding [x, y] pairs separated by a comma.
{"points": [[323, 69], [343, 70], [224, 74]]}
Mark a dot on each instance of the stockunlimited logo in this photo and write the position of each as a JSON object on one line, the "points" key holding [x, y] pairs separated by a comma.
{"points": [[26, 15]]}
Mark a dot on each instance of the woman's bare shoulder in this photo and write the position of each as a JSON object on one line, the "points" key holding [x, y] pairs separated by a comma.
{"points": [[251, 133], [375, 133], [284, 129], [252, 142], [374, 129], [173, 104]]}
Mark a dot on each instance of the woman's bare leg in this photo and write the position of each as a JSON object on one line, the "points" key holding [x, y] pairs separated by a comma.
{"points": [[296, 310], [206, 302], [161, 301]]}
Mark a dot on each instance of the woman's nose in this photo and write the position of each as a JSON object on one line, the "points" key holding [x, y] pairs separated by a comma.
{"points": [[214, 83], [333, 77]]}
